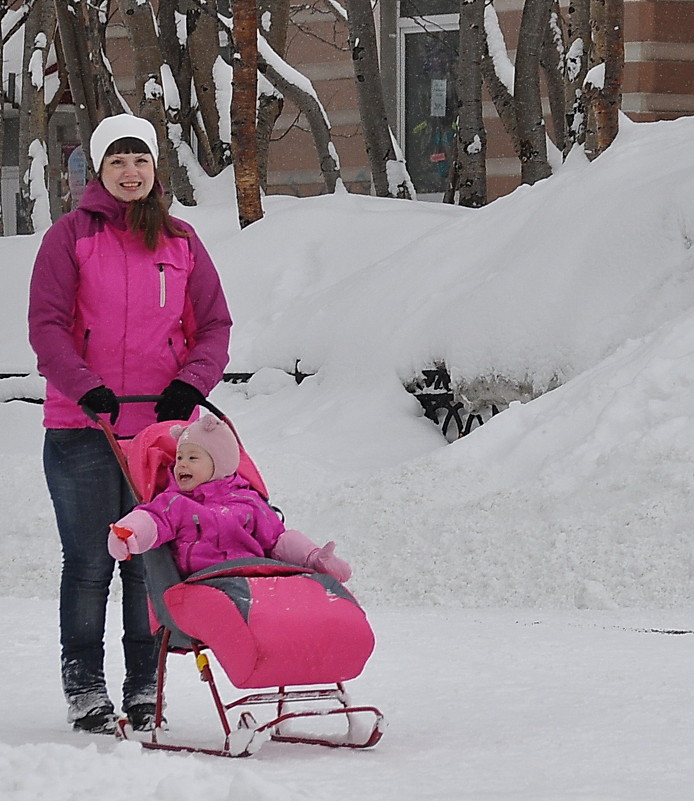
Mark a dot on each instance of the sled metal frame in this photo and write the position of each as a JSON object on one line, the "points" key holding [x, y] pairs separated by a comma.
{"points": [[256, 734]]}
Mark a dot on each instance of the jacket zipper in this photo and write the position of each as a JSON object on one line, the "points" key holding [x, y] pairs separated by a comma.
{"points": [[162, 286]]}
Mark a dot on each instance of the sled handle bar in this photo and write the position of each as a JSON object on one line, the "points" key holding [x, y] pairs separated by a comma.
{"points": [[152, 399]]}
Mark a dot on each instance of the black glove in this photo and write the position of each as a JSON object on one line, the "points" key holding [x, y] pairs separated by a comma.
{"points": [[101, 400], [178, 401]]}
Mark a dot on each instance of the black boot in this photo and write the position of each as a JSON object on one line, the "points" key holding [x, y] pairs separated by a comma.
{"points": [[101, 720], [142, 717]]}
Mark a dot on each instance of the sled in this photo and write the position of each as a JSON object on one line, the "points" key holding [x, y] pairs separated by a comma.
{"points": [[285, 635]]}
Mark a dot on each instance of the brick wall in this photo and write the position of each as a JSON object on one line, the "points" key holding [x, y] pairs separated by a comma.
{"points": [[658, 84]]}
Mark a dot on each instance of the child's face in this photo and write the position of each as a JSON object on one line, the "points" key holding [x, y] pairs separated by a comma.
{"points": [[194, 466]]}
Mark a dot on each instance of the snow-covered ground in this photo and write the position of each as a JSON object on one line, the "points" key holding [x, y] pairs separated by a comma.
{"points": [[482, 705], [524, 581]]}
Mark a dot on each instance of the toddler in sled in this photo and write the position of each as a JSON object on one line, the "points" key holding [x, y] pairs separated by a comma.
{"points": [[209, 513]]}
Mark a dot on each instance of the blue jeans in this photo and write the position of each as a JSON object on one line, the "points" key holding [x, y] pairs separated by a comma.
{"points": [[89, 491]]}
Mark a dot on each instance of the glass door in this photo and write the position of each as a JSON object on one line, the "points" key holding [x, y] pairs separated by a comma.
{"points": [[427, 62]]}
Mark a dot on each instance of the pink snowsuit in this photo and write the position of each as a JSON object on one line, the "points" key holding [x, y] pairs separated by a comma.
{"points": [[105, 310], [219, 520]]}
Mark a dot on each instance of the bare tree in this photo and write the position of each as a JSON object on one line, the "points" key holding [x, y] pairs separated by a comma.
{"points": [[500, 90], [552, 61], [71, 24], [33, 120], [244, 145], [274, 21], [279, 74], [604, 96], [377, 135], [203, 49], [471, 156], [577, 63], [108, 99], [138, 18], [176, 54], [528, 102]]}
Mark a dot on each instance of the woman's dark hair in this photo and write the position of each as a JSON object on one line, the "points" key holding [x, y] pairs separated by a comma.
{"points": [[150, 215]]}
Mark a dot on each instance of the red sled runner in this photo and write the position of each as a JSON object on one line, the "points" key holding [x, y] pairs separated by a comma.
{"points": [[267, 623]]}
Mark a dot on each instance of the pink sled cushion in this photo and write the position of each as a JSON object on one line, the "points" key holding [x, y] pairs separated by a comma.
{"points": [[297, 632]]}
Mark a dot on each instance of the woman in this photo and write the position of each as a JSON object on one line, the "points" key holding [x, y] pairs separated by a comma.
{"points": [[124, 300]]}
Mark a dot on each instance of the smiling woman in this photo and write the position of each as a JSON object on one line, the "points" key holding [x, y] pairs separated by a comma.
{"points": [[124, 300], [128, 176]]}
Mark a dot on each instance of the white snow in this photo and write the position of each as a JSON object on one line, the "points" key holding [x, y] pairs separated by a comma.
{"points": [[574, 59], [35, 67], [596, 76], [153, 89], [38, 191], [496, 43], [475, 146], [530, 585], [289, 73]]}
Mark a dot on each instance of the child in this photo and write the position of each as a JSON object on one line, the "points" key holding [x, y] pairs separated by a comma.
{"points": [[209, 513]]}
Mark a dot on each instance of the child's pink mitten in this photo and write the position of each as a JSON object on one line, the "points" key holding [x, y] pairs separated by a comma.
{"points": [[134, 533], [323, 560]]}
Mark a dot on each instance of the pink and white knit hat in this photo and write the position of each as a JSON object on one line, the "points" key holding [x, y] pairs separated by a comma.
{"points": [[215, 437]]}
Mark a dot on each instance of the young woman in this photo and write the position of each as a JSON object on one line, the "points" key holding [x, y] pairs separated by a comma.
{"points": [[124, 300]]}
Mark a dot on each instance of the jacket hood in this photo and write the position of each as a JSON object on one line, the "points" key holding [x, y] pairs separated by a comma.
{"points": [[98, 200]]}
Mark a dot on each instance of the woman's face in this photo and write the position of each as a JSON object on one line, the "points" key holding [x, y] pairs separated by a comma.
{"points": [[128, 176]]}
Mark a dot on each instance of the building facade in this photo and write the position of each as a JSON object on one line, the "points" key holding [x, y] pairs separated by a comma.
{"points": [[418, 41], [418, 49]]}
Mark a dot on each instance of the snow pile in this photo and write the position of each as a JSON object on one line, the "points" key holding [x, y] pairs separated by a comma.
{"points": [[580, 498]]}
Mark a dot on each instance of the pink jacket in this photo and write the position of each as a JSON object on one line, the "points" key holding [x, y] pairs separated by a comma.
{"points": [[218, 520], [105, 310]]}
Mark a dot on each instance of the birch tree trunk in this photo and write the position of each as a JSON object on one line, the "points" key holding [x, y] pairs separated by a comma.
{"points": [[471, 155], [528, 102], [107, 98], [274, 20], [244, 145], [500, 93], [33, 120], [608, 117], [138, 18], [577, 63], [377, 136], [604, 100], [71, 23], [203, 47], [176, 54], [552, 61]]}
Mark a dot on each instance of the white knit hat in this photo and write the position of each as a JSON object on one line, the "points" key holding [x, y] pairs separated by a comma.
{"points": [[122, 125], [214, 436]]}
